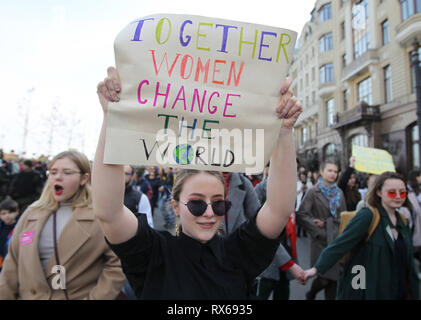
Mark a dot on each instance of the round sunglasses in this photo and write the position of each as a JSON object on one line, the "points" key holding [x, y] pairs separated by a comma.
{"points": [[392, 194], [198, 207]]}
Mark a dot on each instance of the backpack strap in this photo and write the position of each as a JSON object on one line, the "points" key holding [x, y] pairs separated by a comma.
{"points": [[374, 223], [405, 222]]}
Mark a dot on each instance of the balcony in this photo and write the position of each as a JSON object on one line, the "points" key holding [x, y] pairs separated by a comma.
{"points": [[360, 65], [361, 113], [408, 30], [326, 89]]}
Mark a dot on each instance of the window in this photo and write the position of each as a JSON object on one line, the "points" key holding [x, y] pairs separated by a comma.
{"points": [[387, 75], [361, 35], [326, 42], [325, 12], [414, 146], [307, 81], [409, 8], [307, 101], [413, 82], [364, 91], [326, 73], [344, 61], [304, 134], [329, 152], [360, 140], [313, 74], [345, 94], [385, 32], [313, 98], [330, 112]]}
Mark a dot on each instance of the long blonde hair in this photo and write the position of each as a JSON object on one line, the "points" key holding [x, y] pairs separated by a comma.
{"points": [[82, 197]]}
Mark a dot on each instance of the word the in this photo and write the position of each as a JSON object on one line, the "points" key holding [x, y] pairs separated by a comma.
{"points": [[200, 31], [59, 280]]}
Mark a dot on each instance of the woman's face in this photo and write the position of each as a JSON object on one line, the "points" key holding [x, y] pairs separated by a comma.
{"points": [[65, 178], [329, 173], [392, 187], [208, 188], [352, 180]]}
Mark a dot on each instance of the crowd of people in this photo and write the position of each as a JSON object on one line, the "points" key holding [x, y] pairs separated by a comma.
{"points": [[227, 235]]}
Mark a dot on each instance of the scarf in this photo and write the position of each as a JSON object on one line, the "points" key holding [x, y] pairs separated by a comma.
{"points": [[332, 194]]}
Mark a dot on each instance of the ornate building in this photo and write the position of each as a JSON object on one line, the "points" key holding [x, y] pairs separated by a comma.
{"points": [[352, 72]]}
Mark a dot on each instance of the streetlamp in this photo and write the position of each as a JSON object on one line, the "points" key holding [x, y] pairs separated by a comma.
{"points": [[417, 70]]}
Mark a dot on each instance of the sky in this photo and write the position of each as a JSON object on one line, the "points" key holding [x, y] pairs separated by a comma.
{"points": [[53, 53]]}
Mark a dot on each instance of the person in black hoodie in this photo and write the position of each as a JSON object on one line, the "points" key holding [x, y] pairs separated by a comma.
{"points": [[26, 186], [348, 184], [9, 211]]}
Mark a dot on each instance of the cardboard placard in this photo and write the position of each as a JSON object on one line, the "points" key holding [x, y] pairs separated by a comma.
{"points": [[197, 92]]}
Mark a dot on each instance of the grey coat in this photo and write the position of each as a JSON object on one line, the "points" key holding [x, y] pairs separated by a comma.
{"points": [[316, 206], [281, 257], [245, 203]]}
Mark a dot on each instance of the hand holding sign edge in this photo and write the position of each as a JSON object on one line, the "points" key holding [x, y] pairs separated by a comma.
{"points": [[289, 108], [109, 89]]}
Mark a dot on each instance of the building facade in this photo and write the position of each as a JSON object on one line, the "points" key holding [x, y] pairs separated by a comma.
{"points": [[352, 72]]}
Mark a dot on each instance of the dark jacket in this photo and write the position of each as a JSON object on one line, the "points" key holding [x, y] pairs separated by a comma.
{"points": [[316, 206], [377, 256], [132, 198], [6, 232]]}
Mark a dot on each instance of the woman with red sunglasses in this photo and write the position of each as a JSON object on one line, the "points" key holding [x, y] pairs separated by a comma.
{"points": [[197, 264], [383, 266]]}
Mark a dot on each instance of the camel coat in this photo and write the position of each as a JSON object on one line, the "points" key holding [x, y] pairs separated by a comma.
{"points": [[92, 270]]}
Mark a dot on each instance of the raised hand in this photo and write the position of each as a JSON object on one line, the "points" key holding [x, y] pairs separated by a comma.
{"points": [[288, 109], [109, 89], [352, 161]]}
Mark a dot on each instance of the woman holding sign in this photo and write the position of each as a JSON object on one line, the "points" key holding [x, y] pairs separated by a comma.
{"points": [[197, 264]]}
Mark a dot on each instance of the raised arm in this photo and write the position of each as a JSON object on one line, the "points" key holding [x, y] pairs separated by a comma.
{"points": [[281, 186], [117, 222]]}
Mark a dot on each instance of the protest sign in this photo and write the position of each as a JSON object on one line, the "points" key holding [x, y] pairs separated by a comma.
{"points": [[372, 160], [197, 92]]}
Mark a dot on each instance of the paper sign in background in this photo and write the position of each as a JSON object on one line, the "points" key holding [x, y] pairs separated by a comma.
{"points": [[189, 75], [372, 160]]}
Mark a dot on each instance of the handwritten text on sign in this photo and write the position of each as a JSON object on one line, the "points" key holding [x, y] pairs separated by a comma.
{"points": [[197, 91], [371, 160]]}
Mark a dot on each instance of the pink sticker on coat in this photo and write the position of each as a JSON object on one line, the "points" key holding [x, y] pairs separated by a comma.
{"points": [[27, 238]]}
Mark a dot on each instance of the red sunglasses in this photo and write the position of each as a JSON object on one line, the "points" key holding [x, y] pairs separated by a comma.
{"points": [[393, 194]]}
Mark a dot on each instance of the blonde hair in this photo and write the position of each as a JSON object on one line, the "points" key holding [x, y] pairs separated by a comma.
{"points": [[184, 174], [82, 197]]}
